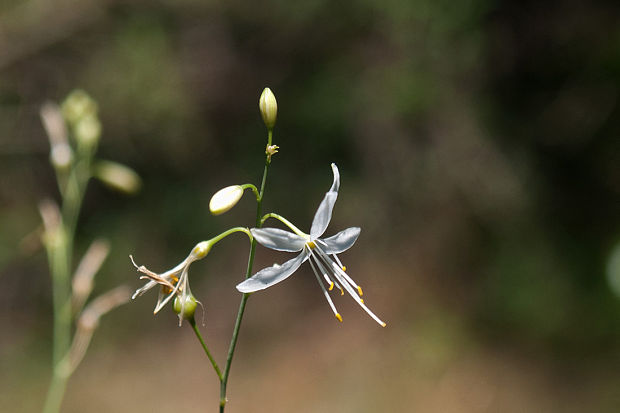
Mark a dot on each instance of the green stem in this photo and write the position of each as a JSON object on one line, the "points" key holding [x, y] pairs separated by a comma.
{"points": [[244, 298], [55, 393], [226, 233], [285, 222], [60, 256], [192, 322], [253, 188]]}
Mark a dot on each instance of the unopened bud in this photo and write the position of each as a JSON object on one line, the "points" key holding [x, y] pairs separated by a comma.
{"points": [[77, 106], [185, 306], [117, 176], [88, 130], [225, 199], [61, 156], [268, 108], [201, 249]]}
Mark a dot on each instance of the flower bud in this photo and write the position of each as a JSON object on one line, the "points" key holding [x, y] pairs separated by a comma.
{"points": [[185, 306], [201, 250], [77, 106], [61, 156], [88, 130], [117, 176], [268, 108], [225, 199]]}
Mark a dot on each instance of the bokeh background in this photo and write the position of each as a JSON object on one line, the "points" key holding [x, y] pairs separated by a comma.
{"points": [[479, 148]]}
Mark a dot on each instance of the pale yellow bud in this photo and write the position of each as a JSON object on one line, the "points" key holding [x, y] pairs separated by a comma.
{"points": [[201, 250], [88, 130], [78, 105], [268, 108], [225, 199], [117, 176]]}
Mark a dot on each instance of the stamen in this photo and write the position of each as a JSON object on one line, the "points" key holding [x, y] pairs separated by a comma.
{"points": [[311, 244], [341, 276], [325, 293], [344, 268], [339, 317], [331, 286], [325, 272], [336, 269]]}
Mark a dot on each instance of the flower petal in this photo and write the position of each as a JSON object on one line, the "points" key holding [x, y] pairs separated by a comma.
{"points": [[272, 275], [279, 239], [324, 214], [342, 241], [336, 185]]}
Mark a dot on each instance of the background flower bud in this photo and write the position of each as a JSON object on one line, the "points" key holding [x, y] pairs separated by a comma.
{"points": [[87, 130], [225, 199], [117, 176], [77, 106], [268, 108]]}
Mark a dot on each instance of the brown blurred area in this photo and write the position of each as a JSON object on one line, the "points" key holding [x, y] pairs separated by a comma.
{"points": [[479, 149]]}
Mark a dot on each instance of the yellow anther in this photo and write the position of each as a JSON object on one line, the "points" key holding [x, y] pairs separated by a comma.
{"points": [[383, 324], [341, 291], [344, 268], [339, 317], [331, 286], [361, 301], [359, 290], [311, 244]]}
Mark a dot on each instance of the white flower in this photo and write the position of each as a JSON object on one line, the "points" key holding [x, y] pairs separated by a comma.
{"points": [[174, 282], [314, 248]]}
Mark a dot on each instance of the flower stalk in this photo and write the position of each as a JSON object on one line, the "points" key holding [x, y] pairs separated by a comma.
{"points": [[72, 160], [248, 273]]}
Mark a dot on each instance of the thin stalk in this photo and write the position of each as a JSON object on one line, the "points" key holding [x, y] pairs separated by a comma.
{"points": [[226, 233], [285, 222], [192, 322], [55, 393], [60, 256], [244, 298]]}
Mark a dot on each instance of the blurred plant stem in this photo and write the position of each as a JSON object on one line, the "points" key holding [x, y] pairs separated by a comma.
{"points": [[244, 298], [73, 167], [60, 257]]}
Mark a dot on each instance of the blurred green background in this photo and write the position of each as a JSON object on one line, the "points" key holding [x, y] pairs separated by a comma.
{"points": [[479, 148]]}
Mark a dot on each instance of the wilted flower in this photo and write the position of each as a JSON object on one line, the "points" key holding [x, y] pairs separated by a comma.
{"points": [[174, 282], [315, 248]]}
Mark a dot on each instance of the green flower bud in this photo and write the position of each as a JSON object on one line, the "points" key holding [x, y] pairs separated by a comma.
{"points": [[225, 199], [187, 309], [88, 130], [268, 108], [77, 106], [117, 176]]}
